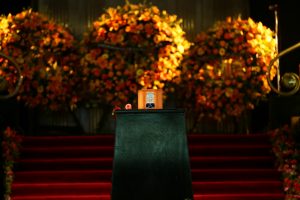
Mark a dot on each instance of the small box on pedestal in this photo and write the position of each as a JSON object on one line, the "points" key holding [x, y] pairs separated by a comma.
{"points": [[150, 99]]}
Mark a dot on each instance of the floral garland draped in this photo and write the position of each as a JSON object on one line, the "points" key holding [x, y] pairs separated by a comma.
{"points": [[46, 52], [10, 149], [287, 154], [131, 47], [225, 69]]}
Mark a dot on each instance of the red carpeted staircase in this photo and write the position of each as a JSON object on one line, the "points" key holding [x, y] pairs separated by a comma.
{"points": [[234, 167], [64, 168], [224, 167]]}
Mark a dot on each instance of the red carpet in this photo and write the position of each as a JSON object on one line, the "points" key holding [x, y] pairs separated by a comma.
{"points": [[224, 167]]}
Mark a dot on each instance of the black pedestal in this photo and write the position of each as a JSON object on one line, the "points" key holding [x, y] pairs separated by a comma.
{"points": [[151, 160]]}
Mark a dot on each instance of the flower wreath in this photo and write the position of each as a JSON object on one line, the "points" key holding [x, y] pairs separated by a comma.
{"points": [[226, 67], [46, 53], [131, 47]]}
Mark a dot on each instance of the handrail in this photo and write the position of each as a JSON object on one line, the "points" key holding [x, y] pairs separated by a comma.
{"points": [[294, 75], [20, 78]]}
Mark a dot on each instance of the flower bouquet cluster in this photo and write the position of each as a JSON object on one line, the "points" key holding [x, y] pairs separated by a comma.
{"points": [[8, 71], [46, 53], [287, 155], [226, 67], [10, 149], [131, 47]]}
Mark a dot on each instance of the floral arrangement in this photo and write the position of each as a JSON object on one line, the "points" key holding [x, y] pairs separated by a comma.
{"points": [[131, 47], [8, 72], [10, 150], [46, 53], [226, 67], [287, 155]]}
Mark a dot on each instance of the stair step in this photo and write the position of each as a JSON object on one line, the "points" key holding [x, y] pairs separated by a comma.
{"points": [[233, 187], [246, 196], [73, 188], [226, 162], [235, 174], [62, 197], [63, 176], [67, 151], [230, 150], [203, 139], [55, 141], [64, 164]]}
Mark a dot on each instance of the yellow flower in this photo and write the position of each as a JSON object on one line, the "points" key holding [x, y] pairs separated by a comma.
{"points": [[181, 48], [139, 72]]}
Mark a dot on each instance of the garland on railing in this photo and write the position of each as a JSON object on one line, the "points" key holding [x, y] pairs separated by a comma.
{"points": [[284, 148], [10, 151]]}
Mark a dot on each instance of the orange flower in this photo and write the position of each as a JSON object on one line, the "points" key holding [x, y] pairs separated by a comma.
{"points": [[149, 29]]}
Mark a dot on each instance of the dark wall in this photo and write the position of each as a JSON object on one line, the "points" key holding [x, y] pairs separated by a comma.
{"points": [[288, 27], [259, 11], [289, 34], [13, 6]]}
